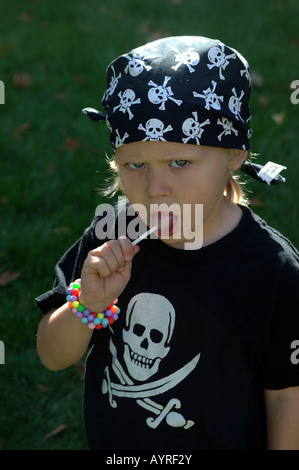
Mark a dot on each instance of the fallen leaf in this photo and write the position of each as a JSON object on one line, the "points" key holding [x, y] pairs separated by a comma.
{"points": [[59, 429], [42, 388], [103, 10], [94, 151], [264, 100], [3, 200], [119, 14], [3, 49], [50, 168], [256, 79], [278, 118], [22, 80], [279, 6], [8, 276], [26, 17], [71, 144], [17, 134], [79, 78], [144, 27], [59, 96], [59, 230], [87, 29], [257, 202]]}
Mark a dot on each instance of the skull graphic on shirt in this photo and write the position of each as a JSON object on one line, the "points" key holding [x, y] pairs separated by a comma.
{"points": [[149, 325]]}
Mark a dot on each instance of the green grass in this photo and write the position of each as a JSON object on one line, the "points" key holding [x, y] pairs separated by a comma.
{"points": [[52, 159]]}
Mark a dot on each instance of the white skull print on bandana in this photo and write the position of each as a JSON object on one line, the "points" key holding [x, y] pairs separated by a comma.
{"points": [[179, 77], [149, 326], [167, 76]]}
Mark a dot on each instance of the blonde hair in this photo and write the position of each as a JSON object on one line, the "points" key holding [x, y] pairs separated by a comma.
{"points": [[233, 190]]}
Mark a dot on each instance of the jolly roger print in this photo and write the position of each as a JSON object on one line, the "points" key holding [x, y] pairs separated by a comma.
{"points": [[185, 89], [146, 342], [179, 89]]}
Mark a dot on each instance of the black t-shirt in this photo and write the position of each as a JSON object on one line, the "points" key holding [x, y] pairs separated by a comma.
{"points": [[200, 335]]}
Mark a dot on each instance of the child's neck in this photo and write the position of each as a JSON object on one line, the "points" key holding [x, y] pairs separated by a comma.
{"points": [[224, 219]]}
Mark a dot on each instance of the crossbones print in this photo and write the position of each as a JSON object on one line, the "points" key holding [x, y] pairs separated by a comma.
{"points": [[154, 129], [227, 127], [136, 65], [246, 74], [113, 83], [150, 321], [120, 140], [160, 94], [235, 103], [188, 58], [212, 100], [127, 99], [193, 129], [218, 58]]}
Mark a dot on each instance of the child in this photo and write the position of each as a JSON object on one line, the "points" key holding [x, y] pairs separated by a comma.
{"points": [[204, 352]]}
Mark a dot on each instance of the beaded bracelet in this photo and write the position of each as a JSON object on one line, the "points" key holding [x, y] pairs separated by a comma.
{"points": [[92, 319]]}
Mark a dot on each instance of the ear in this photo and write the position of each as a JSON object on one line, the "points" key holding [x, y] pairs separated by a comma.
{"points": [[236, 158]]}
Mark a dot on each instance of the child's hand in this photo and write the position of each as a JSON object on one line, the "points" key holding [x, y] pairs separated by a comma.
{"points": [[105, 273]]}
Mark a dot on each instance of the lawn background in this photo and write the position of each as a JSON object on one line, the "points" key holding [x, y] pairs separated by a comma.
{"points": [[53, 56]]}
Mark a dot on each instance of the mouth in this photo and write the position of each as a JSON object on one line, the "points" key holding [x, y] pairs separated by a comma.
{"points": [[139, 360], [165, 222]]}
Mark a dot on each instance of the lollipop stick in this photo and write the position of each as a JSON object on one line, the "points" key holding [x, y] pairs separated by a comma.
{"points": [[144, 235]]}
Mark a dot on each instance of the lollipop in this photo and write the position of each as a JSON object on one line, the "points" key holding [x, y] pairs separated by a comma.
{"points": [[144, 235]]}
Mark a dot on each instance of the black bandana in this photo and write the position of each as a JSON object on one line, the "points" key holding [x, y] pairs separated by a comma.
{"points": [[184, 89]]}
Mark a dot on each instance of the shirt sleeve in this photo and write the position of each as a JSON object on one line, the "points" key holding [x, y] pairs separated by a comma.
{"points": [[67, 270], [280, 365]]}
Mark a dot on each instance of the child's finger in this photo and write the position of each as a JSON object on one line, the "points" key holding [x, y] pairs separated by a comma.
{"points": [[128, 250], [95, 263], [115, 247], [111, 257]]}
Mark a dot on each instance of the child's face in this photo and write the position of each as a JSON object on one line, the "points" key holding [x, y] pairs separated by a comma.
{"points": [[153, 173]]}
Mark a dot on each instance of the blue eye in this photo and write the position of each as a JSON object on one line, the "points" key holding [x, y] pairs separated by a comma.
{"points": [[136, 166], [178, 163]]}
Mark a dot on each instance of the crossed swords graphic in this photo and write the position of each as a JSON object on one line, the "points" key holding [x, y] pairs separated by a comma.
{"points": [[141, 393]]}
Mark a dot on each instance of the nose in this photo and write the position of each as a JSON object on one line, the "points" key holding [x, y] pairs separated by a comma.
{"points": [[144, 344], [158, 184]]}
